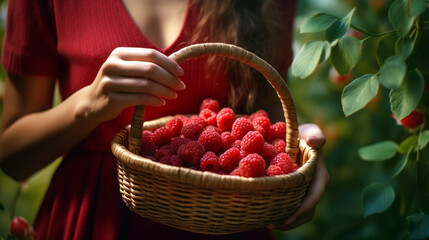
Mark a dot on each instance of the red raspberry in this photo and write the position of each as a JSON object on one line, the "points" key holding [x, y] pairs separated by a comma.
{"points": [[252, 142], [192, 131], [218, 130], [225, 118], [277, 131], [227, 140], [253, 165], [279, 144], [259, 113], [19, 228], [236, 144], [229, 159], [147, 135], [285, 163], [162, 152], [147, 147], [268, 152], [262, 124], [211, 140], [241, 127], [211, 104], [243, 154], [177, 142], [209, 116], [162, 136], [182, 117], [236, 172], [172, 160], [274, 170], [197, 119], [209, 162], [175, 125], [191, 152]]}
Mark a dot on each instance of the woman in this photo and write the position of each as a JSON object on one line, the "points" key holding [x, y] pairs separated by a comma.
{"points": [[106, 57]]}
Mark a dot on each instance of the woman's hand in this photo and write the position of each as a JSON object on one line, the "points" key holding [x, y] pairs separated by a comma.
{"points": [[129, 77], [314, 137]]}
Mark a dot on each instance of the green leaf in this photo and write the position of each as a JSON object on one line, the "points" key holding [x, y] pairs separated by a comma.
{"points": [[318, 23], [386, 48], [418, 226], [326, 53], [379, 151], [404, 100], [345, 54], [358, 93], [409, 143], [424, 139], [307, 58], [416, 7], [377, 198], [398, 16], [339, 28], [392, 72], [401, 164], [404, 47]]}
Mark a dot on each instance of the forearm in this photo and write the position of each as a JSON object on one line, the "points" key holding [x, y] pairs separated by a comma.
{"points": [[36, 139]]}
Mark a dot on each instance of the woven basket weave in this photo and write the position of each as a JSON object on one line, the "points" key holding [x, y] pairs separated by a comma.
{"points": [[205, 202]]}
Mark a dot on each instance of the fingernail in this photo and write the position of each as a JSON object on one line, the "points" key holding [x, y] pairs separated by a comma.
{"points": [[163, 102], [181, 85], [175, 95], [180, 71]]}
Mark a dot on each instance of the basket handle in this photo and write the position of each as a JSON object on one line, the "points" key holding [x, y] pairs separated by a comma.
{"points": [[246, 57]]}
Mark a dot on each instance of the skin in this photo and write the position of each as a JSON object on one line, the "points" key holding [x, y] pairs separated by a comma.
{"points": [[31, 135]]}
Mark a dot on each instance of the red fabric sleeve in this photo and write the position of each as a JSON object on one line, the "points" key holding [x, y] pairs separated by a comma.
{"points": [[29, 47]]}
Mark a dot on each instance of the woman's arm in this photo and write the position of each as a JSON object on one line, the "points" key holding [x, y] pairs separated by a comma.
{"points": [[33, 134]]}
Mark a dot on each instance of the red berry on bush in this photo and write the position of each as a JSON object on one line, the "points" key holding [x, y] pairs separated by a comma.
{"points": [[20, 228], [414, 120]]}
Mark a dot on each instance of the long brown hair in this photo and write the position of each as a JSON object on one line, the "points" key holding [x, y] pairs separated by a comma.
{"points": [[263, 27]]}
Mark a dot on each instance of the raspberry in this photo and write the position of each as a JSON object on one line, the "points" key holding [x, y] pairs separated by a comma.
{"points": [[172, 160], [162, 152], [218, 130], [253, 165], [252, 142], [192, 131], [182, 117], [209, 116], [175, 125], [211, 140], [191, 152], [147, 147], [241, 127], [243, 154], [259, 113], [279, 145], [197, 119], [285, 163], [177, 142], [236, 144], [262, 124], [277, 131], [211, 104], [209, 162], [229, 159], [225, 118], [162, 136], [268, 152], [236, 172], [274, 170], [227, 140], [146, 135]]}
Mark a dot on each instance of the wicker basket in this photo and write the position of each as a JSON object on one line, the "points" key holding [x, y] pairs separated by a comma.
{"points": [[205, 202]]}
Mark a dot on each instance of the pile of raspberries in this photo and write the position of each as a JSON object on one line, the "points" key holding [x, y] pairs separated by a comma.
{"points": [[218, 141]]}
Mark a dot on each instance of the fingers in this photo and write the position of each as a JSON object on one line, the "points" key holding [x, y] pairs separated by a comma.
{"points": [[312, 134], [149, 55], [315, 192]]}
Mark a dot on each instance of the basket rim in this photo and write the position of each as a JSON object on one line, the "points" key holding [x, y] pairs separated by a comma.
{"points": [[213, 180]]}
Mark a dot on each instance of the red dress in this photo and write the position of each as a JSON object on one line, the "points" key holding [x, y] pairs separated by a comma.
{"points": [[70, 40]]}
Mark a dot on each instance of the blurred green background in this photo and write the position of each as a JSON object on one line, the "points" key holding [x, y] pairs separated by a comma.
{"points": [[339, 214]]}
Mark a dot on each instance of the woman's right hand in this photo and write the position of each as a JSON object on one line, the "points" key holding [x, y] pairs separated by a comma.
{"points": [[129, 77]]}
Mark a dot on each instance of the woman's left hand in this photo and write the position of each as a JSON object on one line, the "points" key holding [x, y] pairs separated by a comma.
{"points": [[314, 137]]}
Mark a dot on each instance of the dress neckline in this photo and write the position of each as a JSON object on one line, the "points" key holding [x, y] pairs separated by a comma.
{"points": [[138, 34]]}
